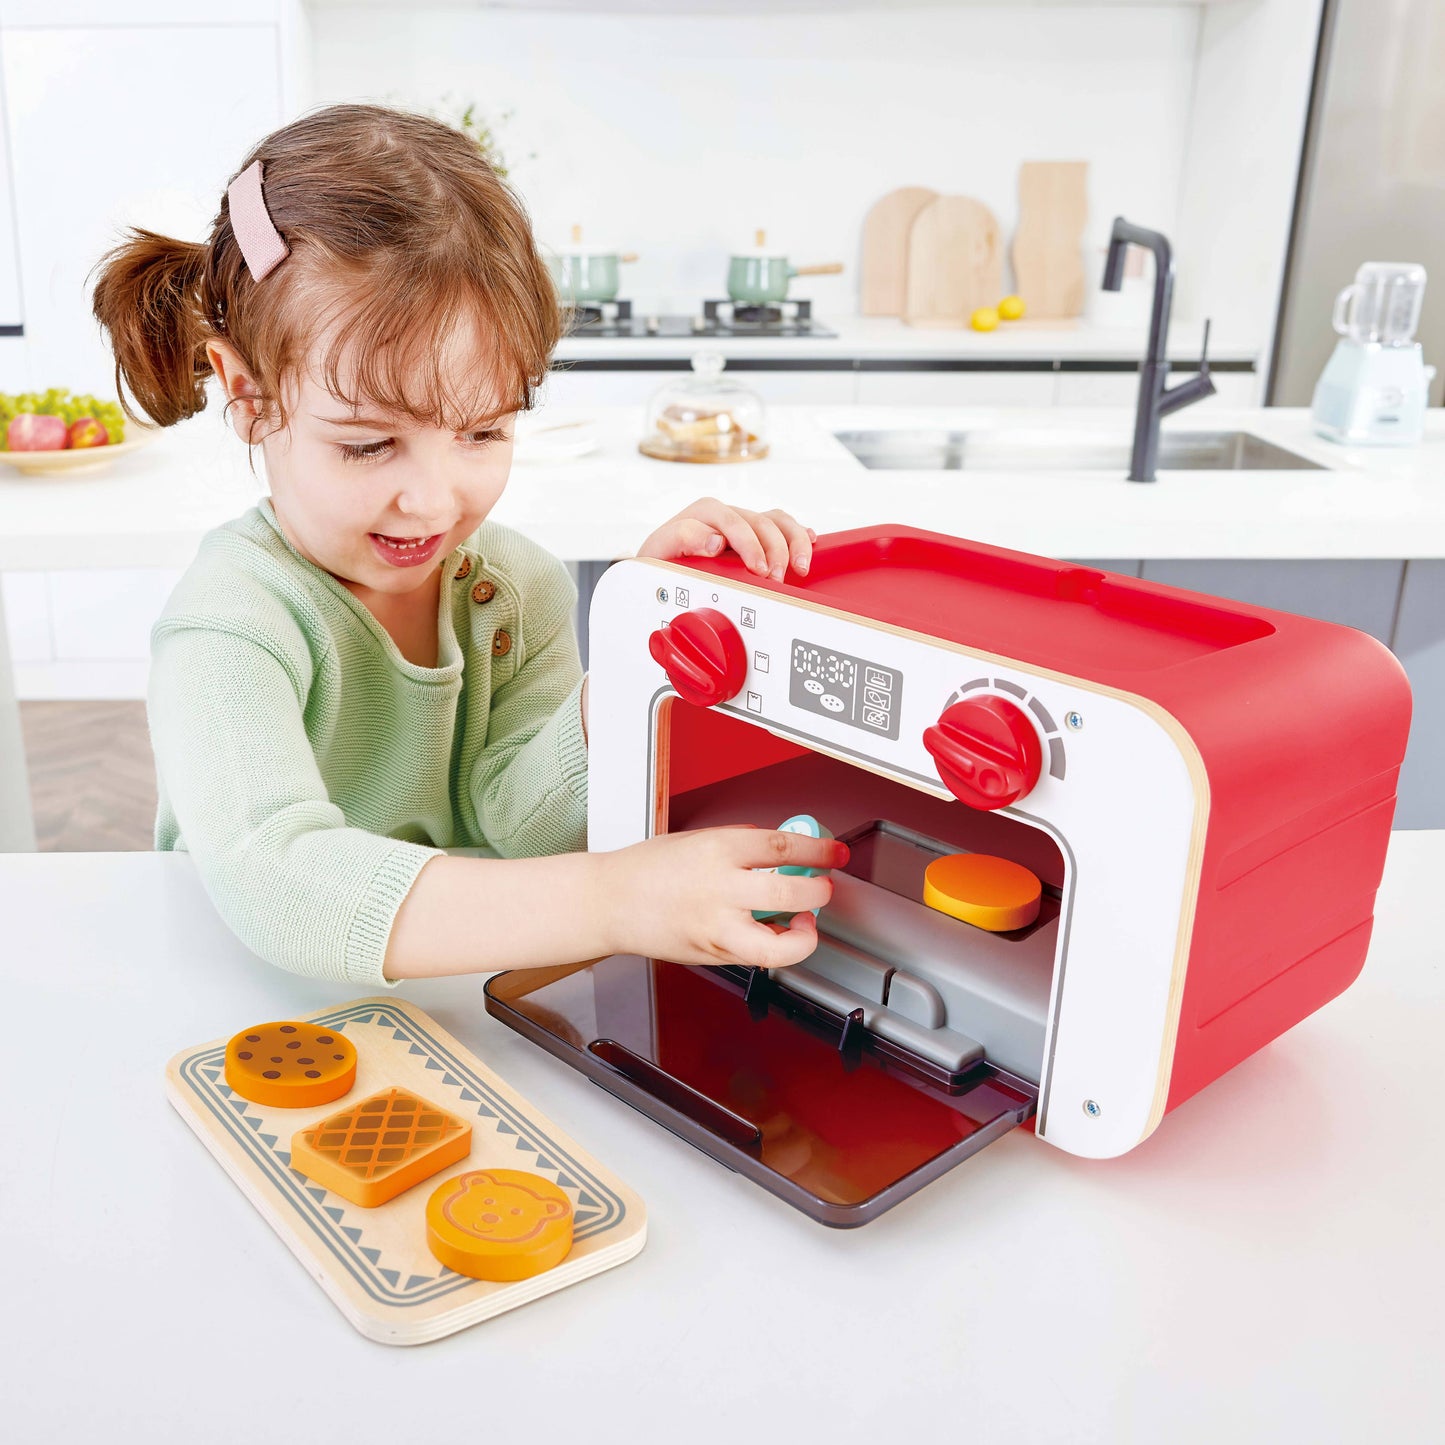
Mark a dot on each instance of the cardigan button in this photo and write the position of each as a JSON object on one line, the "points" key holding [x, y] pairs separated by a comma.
{"points": [[464, 569], [484, 591], [501, 643]]}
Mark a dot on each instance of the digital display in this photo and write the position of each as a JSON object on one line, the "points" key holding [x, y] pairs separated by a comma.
{"points": [[852, 690]]}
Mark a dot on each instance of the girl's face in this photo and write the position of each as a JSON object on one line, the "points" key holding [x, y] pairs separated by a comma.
{"points": [[379, 501]]}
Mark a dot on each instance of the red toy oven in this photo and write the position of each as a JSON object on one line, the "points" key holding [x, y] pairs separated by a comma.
{"points": [[1204, 789]]}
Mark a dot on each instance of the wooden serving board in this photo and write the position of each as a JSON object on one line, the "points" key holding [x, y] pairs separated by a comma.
{"points": [[1048, 253], [884, 287], [374, 1263], [955, 264]]}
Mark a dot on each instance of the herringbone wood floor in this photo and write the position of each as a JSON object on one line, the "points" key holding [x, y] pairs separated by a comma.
{"points": [[92, 777]]}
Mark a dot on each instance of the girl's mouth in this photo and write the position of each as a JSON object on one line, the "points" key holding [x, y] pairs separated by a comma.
{"points": [[405, 551]]}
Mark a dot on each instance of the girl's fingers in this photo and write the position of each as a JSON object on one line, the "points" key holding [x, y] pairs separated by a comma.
{"points": [[755, 945], [767, 542], [697, 538], [736, 526], [774, 542], [768, 848], [786, 892], [799, 539]]}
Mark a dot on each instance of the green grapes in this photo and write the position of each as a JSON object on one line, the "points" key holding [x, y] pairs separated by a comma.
{"points": [[61, 403]]}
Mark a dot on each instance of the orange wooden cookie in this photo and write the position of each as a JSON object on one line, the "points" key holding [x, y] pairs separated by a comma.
{"points": [[290, 1065], [373, 1151], [993, 893], [499, 1224]]}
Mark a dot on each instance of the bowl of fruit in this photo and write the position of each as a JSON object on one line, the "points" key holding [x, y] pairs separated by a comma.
{"points": [[57, 431]]}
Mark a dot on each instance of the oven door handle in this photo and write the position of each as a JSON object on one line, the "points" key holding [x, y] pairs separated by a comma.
{"points": [[670, 1091]]}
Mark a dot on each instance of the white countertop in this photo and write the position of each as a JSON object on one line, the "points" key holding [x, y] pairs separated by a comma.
{"points": [[1267, 1266], [882, 338], [151, 508]]}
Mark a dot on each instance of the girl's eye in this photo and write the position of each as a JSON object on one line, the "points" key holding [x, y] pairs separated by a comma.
{"points": [[365, 451], [481, 438]]}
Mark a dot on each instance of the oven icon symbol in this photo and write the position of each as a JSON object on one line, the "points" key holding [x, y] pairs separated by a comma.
{"points": [[874, 698], [875, 719]]}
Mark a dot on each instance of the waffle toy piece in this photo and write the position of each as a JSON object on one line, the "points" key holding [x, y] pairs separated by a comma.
{"points": [[499, 1224], [374, 1150], [290, 1065]]}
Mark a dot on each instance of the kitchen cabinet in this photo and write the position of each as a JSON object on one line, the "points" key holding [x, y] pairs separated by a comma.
{"points": [[871, 383], [25, 603], [1232, 389], [570, 386], [1125, 566], [120, 629], [112, 127], [1420, 646], [11, 312], [1400, 603], [956, 388], [1360, 593]]}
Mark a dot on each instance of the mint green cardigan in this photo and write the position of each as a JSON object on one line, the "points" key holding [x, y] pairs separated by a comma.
{"points": [[311, 770]]}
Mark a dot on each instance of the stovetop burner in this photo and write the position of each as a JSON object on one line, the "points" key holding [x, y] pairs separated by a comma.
{"points": [[592, 315], [758, 315], [787, 318], [610, 320]]}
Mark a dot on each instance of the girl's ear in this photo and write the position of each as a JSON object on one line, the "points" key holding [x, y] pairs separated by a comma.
{"points": [[238, 384]]}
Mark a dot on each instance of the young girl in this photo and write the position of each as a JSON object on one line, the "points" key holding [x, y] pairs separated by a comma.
{"points": [[363, 671]]}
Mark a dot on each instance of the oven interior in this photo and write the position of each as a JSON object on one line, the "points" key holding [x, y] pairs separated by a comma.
{"points": [[905, 1043]]}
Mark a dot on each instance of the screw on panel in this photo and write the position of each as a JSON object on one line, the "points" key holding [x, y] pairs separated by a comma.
{"points": [[1075, 720], [662, 594], [1092, 1109]]}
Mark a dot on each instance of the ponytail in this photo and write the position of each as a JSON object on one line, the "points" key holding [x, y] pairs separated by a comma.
{"points": [[148, 299]]}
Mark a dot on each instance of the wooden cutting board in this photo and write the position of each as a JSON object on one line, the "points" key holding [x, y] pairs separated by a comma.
{"points": [[1048, 253], [884, 287], [374, 1263], [955, 262]]}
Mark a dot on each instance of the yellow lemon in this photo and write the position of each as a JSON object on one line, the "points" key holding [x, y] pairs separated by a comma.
{"points": [[1011, 308], [984, 319]]}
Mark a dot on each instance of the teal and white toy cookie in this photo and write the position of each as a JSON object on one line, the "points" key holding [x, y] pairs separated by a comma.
{"points": [[809, 827]]}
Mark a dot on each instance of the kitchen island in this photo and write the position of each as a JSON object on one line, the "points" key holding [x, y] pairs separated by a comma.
{"points": [[1361, 541], [1265, 1267]]}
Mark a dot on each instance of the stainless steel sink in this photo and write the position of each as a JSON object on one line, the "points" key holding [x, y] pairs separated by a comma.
{"points": [[1002, 449]]}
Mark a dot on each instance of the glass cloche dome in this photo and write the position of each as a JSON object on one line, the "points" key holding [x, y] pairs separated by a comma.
{"points": [[705, 417]]}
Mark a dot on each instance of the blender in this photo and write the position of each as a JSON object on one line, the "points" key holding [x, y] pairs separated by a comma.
{"points": [[1373, 389]]}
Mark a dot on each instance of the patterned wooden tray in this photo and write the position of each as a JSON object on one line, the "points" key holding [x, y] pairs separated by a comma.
{"points": [[374, 1263]]}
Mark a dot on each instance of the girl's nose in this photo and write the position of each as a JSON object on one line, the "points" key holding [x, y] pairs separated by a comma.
{"points": [[427, 493]]}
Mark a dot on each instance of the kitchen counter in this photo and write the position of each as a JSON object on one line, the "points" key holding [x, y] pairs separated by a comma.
{"points": [[886, 339], [1357, 524], [1267, 1266], [151, 508]]}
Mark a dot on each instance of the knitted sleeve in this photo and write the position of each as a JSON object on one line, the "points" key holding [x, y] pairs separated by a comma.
{"points": [[294, 882], [529, 784]]}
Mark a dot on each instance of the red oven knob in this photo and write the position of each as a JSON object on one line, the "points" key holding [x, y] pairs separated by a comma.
{"points": [[987, 751], [702, 655]]}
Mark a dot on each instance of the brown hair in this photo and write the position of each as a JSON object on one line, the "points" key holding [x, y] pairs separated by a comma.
{"points": [[399, 232]]}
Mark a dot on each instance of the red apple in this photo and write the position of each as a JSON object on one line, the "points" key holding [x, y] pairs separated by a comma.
{"points": [[29, 432], [85, 431]]}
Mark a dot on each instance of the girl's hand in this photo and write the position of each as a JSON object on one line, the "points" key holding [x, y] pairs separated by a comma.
{"points": [[768, 542], [688, 897]]}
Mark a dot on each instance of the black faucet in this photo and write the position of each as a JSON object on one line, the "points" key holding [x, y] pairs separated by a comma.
{"points": [[1155, 401]]}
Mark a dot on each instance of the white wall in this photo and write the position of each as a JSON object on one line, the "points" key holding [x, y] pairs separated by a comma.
{"points": [[676, 136]]}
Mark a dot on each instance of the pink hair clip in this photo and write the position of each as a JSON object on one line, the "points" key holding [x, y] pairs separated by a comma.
{"points": [[256, 234]]}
